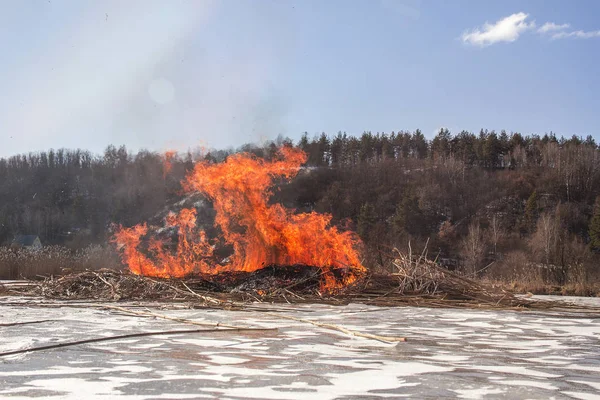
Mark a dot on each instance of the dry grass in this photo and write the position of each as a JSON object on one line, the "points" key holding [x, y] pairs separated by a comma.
{"points": [[517, 274], [54, 260], [538, 287]]}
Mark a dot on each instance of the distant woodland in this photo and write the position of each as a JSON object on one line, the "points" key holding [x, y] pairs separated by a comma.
{"points": [[508, 206]]}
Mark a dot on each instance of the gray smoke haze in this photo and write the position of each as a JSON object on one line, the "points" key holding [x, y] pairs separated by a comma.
{"points": [[147, 74]]}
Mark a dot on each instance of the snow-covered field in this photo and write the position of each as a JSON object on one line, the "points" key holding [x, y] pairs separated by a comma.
{"points": [[450, 353]]}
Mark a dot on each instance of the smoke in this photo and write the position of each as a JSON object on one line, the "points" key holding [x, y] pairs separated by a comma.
{"points": [[155, 75]]}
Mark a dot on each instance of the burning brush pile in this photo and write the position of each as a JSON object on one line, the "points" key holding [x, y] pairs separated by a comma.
{"points": [[249, 233]]}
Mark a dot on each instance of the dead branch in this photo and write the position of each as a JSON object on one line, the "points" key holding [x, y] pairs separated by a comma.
{"points": [[182, 320], [207, 299], [26, 322], [117, 337], [385, 339]]}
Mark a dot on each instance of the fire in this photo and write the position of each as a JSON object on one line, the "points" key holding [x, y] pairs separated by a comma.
{"points": [[167, 162], [260, 233]]}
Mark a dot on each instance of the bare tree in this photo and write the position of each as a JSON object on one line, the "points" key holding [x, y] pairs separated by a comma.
{"points": [[474, 248], [496, 232], [546, 237]]}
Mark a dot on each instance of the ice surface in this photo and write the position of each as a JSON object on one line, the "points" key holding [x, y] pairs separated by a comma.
{"points": [[450, 353]]}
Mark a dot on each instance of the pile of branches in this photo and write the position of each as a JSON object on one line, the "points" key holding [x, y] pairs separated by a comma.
{"points": [[111, 285], [105, 284], [422, 276], [417, 281]]}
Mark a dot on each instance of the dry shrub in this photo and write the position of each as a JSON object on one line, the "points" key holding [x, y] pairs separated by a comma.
{"points": [[516, 270], [54, 260], [521, 275], [579, 282], [507, 269]]}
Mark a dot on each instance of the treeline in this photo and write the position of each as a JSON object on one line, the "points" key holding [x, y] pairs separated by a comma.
{"points": [[519, 207], [513, 205], [72, 197]]}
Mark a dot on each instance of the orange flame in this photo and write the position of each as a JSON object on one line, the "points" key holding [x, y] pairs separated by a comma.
{"points": [[261, 233], [167, 162]]}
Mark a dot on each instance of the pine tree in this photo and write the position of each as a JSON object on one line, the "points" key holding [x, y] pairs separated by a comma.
{"points": [[366, 220], [420, 144], [594, 229], [409, 217], [304, 143], [491, 150], [324, 148], [440, 145]]}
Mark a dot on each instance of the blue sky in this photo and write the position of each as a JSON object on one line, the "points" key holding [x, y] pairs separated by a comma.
{"points": [[180, 74]]}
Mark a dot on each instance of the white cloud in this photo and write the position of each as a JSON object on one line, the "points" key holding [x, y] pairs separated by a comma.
{"points": [[552, 27], [576, 34], [504, 30], [510, 28], [559, 32]]}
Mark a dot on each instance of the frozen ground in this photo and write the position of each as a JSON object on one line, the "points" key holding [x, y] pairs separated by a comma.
{"points": [[450, 353]]}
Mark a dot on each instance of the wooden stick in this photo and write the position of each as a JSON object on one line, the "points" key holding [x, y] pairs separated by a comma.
{"points": [[208, 299], [112, 287], [385, 339], [26, 322], [182, 320], [117, 337]]}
